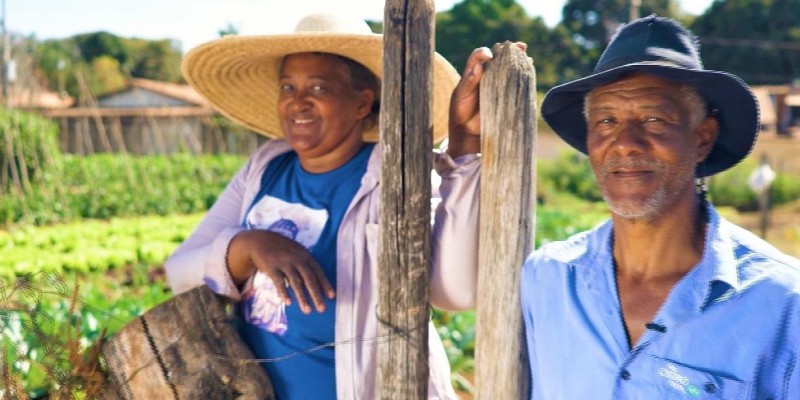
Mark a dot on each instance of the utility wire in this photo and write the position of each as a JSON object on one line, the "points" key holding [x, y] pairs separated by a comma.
{"points": [[752, 43]]}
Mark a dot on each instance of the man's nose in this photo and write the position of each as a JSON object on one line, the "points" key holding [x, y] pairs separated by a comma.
{"points": [[630, 137]]}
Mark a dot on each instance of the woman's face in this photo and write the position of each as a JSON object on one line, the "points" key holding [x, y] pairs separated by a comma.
{"points": [[319, 110]]}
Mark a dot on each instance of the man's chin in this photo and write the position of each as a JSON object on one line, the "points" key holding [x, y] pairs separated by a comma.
{"points": [[635, 211]]}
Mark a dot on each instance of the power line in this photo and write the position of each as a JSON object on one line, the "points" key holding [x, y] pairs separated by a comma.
{"points": [[752, 43]]}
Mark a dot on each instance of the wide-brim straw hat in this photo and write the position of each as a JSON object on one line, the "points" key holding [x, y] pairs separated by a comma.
{"points": [[238, 74], [661, 47]]}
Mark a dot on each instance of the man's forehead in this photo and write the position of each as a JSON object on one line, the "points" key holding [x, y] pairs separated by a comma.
{"points": [[642, 87], [638, 80]]}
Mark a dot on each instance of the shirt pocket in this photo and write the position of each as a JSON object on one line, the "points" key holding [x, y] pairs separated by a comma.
{"points": [[676, 380]]}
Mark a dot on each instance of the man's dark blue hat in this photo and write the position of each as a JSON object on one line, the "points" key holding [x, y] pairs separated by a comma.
{"points": [[660, 46]]}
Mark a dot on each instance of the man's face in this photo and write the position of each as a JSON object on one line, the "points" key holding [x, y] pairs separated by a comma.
{"points": [[643, 146]]}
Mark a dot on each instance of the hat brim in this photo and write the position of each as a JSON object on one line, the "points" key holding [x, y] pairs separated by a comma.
{"points": [[239, 75], [735, 105]]}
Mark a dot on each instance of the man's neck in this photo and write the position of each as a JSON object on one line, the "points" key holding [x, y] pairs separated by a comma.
{"points": [[650, 257], [655, 249]]}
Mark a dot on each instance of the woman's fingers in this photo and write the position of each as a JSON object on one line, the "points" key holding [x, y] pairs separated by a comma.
{"points": [[289, 265], [279, 280], [308, 282], [313, 278]]}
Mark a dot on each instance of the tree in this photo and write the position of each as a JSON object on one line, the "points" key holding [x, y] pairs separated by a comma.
{"points": [[474, 23], [93, 45], [758, 40], [231, 29], [104, 76], [593, 22], [59, 62], [154, 59]]}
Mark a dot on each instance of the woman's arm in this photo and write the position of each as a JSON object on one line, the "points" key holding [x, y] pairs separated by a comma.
{"points": [[201, 258], [455, 234]]}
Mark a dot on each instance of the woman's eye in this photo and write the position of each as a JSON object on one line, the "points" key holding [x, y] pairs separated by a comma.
{"points": [[286, 88], [653, 119]]}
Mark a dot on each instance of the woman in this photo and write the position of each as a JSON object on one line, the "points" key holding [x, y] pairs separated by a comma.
{"points": [[294, 235]]}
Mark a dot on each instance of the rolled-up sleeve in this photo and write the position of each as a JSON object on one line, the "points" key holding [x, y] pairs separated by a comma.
{"points": [[201, 258]]}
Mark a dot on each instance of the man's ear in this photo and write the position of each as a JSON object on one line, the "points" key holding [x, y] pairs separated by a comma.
{"points": [[706, 132]]}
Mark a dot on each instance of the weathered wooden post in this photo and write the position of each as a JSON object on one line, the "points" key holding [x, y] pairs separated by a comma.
{"points": [[404, 248], [508, 126], [184, 348]]}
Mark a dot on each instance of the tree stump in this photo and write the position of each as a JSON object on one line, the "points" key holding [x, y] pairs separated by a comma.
{"points": [[184, 348]]}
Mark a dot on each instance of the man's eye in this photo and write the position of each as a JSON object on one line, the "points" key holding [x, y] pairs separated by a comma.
{"points": [[653, 119], [286, 88]]}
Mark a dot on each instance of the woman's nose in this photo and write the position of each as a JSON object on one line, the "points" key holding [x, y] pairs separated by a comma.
{"points": [[299, 101]]}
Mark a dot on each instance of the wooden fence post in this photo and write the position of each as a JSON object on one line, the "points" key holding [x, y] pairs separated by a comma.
{"points": [[404, 247], [508, 126]]}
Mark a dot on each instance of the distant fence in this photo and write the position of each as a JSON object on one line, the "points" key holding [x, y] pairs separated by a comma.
{"points": [[150, 131]]}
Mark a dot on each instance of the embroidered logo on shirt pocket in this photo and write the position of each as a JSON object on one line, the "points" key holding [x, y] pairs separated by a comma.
{"points": [[680, 381]]}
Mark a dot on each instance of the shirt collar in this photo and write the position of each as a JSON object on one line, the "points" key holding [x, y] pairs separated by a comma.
{"points": [[718, 276], [715, 276]]}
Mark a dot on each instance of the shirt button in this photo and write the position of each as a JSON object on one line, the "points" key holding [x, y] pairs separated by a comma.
{"points": [[710, 387], [625, 375]]}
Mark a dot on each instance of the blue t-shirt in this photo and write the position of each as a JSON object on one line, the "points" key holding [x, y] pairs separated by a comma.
{"points": [[307, 208]]}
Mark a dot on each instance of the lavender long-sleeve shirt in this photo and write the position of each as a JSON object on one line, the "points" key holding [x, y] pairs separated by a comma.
{"points": [[200, 259]]}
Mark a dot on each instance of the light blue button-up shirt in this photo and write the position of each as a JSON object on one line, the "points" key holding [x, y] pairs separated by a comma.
{"points": [[730, 329]]}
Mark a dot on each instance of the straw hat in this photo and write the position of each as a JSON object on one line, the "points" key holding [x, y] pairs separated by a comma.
{"points": [[661, 47], [239, 74]]}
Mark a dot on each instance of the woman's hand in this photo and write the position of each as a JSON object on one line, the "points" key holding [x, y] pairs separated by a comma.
{"points": [[285, 261], [465, 116]]}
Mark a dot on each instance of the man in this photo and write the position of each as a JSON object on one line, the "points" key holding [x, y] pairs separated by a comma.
{"points": [[666, 300]]}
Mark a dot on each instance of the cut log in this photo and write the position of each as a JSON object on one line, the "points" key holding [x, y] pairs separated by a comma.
{"points": [[184, 348]]}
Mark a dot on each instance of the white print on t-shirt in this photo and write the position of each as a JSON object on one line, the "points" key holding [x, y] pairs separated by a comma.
{"points": [[261, 303], [294, 221]]}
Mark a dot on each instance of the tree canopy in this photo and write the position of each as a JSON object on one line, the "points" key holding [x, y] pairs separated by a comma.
{"points": [[103, 60], [759, 40]]}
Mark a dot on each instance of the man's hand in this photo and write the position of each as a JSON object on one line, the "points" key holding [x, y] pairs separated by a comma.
{"points": [[285, 261], [465, 116]]}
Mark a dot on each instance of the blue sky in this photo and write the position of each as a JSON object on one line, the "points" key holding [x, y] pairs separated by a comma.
{"points": [[192, 22]]}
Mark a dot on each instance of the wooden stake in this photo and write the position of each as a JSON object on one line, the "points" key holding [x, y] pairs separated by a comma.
{"points": [[508, 126], [404, 249]]}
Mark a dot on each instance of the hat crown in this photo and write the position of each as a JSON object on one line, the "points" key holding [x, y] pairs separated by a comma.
{"points": [[331, 23], [654, 40]]}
